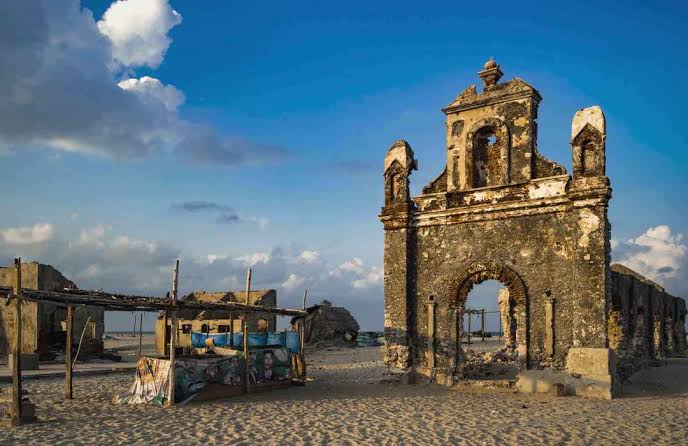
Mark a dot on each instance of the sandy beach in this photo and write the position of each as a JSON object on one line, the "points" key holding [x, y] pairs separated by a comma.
{"points": [[350, 402]]}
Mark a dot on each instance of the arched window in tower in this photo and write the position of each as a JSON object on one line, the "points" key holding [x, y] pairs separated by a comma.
{"points": [[485, 150], [588, 157], [393, 188]]}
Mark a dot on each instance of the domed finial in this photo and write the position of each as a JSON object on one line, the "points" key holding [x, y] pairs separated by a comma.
{"points": [[490, 74], [490, 63]]}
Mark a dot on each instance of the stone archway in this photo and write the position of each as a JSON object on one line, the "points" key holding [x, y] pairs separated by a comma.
{"points": [[518, 297]]}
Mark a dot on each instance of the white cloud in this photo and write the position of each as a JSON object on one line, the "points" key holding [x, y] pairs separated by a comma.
{"points": [[101, 258], [58, 65], [92, 236], [255, 258], [354, 265], [293, 282], [657, 254], [369, 279], [309, 256], [213, 257], [27, 235], [151, 90], [138, 30]]}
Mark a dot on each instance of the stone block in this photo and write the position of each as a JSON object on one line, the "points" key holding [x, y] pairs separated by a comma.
{"points": [[591, 361]]}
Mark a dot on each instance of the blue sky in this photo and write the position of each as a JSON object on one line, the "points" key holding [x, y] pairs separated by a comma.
{"points": [[297, 104]]}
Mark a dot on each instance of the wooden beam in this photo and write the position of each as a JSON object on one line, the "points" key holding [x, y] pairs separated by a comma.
{"points": [[117, 302], [173, 334], [17, 346], [247, 371], [68, 354]]}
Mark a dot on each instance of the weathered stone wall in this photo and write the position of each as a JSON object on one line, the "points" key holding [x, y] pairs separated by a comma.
{"points": [[43, 324], [499, 210], [645, 323], [200, 321], [445, 252]]}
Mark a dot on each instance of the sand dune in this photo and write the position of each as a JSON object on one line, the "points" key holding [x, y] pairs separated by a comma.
{"points": [[349, 403]]}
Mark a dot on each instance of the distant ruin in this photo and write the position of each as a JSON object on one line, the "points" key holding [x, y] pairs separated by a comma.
{"points": [[215, 322], [500, 210], [43, 324]]}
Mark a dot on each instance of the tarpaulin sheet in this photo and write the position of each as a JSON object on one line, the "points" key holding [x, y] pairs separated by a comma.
{"points": [[292, 340], [193, 374]]}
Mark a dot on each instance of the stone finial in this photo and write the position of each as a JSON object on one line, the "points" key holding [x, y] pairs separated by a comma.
{"points": [[490, 73], [401, 151], [592, 116]]}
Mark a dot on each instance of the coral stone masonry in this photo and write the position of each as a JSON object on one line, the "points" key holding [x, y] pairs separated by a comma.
{"points": [[500, 210]]}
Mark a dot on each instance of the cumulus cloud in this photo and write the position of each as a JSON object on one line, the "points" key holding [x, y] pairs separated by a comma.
{"points": [[657, 253], [151, 91], [293, 282], [138, 30], [27, 235], [61, 88], [92, 236], [100, 258], [309, 256], [222, 213]]}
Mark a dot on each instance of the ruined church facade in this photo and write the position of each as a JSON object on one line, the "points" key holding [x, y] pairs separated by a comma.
{"points": [[500, 210]]}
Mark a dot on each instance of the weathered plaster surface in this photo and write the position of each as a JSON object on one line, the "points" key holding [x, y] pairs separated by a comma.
{"points": [[502, 211]]}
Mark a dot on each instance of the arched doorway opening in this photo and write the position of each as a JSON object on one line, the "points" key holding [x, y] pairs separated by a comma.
{"points": [[494, 346]]}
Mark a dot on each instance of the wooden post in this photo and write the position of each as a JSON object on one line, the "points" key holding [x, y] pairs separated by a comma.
{"points": [[247, 371], [302, 336], [16, 347], [231, 329], [482, 324], [140, 333], [68, 353], [173, 333], [164, 335]]}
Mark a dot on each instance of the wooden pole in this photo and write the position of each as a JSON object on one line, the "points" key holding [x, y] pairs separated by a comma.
{"points": [[16, 347], [247, 372], [470, 316], [81, 339], [482, 324], [231, 329], [173, 334], [302, 335], [69, 365], [140, 333], [164, 335]]}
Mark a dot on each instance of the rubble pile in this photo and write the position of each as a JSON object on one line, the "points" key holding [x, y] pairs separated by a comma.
{"points": [[498, 364], [328, 325]]}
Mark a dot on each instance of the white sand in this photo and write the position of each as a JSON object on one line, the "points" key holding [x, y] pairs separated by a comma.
{"points": [[341, 406]]}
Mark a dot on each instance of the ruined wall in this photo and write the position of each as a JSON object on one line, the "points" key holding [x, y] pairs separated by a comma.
{"points": [[43, 325], [211, 321], [645, 322], [500, 211], [445, 252]]}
